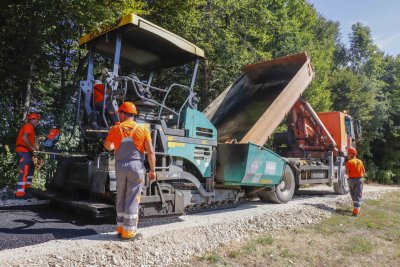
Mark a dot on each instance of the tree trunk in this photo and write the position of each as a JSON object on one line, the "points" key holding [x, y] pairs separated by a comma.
{"points": [[205, 86], [205, 101], [28, 89]]}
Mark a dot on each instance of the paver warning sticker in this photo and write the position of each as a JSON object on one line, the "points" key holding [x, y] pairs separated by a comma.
{"points": [[270, 168]]}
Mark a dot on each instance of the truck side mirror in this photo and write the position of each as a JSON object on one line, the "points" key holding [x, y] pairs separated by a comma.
{"points": [[357, 130]]}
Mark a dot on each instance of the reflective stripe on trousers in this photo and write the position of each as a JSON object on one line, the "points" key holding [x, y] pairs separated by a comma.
{"points": [[26, 170], [130, 178], [356, 187]]}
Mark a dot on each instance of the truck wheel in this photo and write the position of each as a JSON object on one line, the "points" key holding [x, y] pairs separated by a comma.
{"points": [[265, 196], [342, 186], [283, 191], [296, 189]]}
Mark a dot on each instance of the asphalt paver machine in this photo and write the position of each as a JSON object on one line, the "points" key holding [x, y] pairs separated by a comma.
{"points": [[204, 160]]}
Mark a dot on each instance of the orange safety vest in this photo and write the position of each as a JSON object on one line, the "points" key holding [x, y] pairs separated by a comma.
{"points": [[140, 134], [20, 145], [98, 91], [355, 168]]}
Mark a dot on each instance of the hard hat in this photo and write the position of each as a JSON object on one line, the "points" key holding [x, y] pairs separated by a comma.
{"points": [[32, 116], [98, 84], [53, 133], [352, 151], [128, 107]]}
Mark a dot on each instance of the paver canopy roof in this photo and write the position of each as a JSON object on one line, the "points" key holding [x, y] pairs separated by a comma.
{"points": [[144, 44]]}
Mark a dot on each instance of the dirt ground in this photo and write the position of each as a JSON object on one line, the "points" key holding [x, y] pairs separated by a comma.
{"points": [[371, 239]]}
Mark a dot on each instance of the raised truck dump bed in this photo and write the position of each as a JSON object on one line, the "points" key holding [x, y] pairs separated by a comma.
{"points": [[249, 111], [256, 103]]}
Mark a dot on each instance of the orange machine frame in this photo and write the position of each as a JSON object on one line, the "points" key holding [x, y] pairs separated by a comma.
{"points": [[335, 123]]}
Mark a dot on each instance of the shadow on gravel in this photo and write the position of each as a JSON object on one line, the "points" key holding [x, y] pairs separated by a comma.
{"points": [[300, 197], [341, 211], [245, 205], [147, 222], [311, 192], [322, 207]]}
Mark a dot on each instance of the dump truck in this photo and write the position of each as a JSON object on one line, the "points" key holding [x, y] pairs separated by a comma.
{"points": [[204, 160], [314, 147]]}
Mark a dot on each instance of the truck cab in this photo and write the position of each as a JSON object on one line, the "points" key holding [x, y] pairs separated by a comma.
{"points": [[343, 129]]}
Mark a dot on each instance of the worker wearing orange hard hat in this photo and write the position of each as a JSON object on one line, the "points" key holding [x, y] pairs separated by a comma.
{"points": [[98, 98], [53, 133], [98, 92], [355, 171], [51, 138], [130, 141], [25, 146]]}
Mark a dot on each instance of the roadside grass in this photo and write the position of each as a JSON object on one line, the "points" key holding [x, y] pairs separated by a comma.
{"points": [[371, 239]]}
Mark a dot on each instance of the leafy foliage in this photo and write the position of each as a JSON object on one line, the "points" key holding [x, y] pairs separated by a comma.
{"points": [[8, 169], [41, 61], [365, 84]]}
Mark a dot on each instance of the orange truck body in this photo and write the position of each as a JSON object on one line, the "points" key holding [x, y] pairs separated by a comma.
{"points": [[341, 132], [317, 133]]}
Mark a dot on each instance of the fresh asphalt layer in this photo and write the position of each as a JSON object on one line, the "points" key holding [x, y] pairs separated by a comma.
{"points": [[34, 224], [28, 225]]}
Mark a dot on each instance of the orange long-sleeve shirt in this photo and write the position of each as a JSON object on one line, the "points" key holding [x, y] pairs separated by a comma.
{"points": [[355, 168]]}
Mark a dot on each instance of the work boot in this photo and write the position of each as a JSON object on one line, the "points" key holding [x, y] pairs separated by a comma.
{"points": [[356, 212], [20, 194], [130, 235], [119, 230]]}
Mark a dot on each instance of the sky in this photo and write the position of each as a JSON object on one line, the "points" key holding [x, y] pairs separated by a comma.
{"points": [[381, 16]]}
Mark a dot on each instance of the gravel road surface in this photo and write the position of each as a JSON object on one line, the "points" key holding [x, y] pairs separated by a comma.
{"points": [[170, 241]]}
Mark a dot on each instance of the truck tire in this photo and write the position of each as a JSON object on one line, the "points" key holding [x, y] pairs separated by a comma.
{"points": [[265, 196], [342, 186], [296, 189], [283, 192]]}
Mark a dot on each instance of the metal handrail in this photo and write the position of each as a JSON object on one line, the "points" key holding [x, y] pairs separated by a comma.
{"points": [[170, 160], [162, 105]]}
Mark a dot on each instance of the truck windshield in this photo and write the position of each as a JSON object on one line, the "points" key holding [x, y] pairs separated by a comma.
{"points": [[349, 127]]}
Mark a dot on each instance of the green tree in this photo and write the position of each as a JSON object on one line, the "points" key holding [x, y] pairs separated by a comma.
{"points": [[362, 46], [235, 33], [386, 148], [40, 59], [364, 82], [41, 62]]}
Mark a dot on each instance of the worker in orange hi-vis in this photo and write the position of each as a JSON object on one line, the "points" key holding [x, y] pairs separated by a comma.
{"points": [[98, 97], [25, 146], [355, 170], [98, 93], [130, 141]]}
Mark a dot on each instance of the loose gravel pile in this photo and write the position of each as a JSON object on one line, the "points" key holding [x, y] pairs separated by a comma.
{"points": [[171, 241]]}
